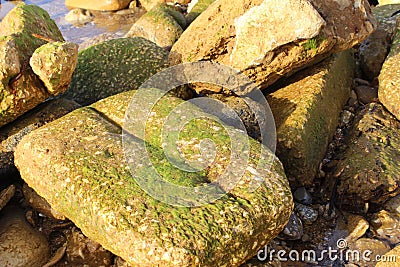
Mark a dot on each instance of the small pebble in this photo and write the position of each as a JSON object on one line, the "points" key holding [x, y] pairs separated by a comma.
{"points": [[302, 196]]}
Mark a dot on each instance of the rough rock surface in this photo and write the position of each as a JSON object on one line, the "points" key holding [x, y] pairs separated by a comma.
{"points": [[386, 226], [40, 204], [391, 258], [196, 7], [162, 25], [268, 39], [20, 89], [54, 63], [306, 113], [11, 134], [389, 78], [106, 5], [374, 49], [376, 247], [77, 164], [370, 163], [6, 195], [20, 244], [114, 66]]}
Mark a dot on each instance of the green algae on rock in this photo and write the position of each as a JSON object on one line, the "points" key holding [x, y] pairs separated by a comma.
{"points": [[12, 133], [114, 66], [371, 170], [54, 63], [306, 113], [23, 21], [20, 89], [389, 78], [77, 163], [162, 25], [196, 8]]}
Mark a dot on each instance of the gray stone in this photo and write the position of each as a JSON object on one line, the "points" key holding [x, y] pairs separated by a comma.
{"points": [[307, 214], [77, 164], [301, 195], [294, 228], [268, 39]]}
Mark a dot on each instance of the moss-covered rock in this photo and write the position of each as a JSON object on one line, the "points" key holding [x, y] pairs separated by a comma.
{"points": [[114, 66], [371, 170], [20, 89], [307, 112], [196, 8], [389, 78], [55, 63], [77, 163], [11, 134], [162, 25]]}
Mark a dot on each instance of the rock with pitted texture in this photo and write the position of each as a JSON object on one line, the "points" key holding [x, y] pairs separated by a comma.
{"points": [[77, 163], [11, 134], [114, 66], [370, 170], [20, 244], [162, 25], [306, 111], [195, 8], [389, 78], [55, 63], [267, 39], [22, 31]]}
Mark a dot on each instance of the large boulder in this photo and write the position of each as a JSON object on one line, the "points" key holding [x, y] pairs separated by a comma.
{"points": [[23, 30], [12, 133], [306, 112], [77, 163], [369, 169], [195, 8], [162, 25], [266, 39], [104, 5], [389, 78], [114, 66]]}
